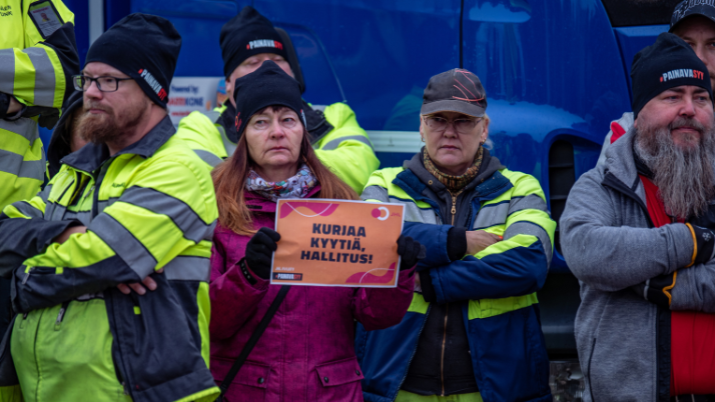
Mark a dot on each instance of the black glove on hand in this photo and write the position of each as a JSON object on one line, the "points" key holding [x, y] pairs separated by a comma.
{"points": [[705, 244], [259, 250], [411, 252], [657, 290]]}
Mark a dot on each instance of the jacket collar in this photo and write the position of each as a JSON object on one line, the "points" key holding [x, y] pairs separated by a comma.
{"points": [[488, 183], [91, 156], [259, 203], [61, 137], [621, 167]]}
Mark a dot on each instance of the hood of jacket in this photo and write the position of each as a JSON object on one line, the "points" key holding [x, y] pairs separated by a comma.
{"points": [[59, 146]]}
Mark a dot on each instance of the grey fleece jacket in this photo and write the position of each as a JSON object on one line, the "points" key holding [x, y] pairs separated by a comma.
{"points": [[609, 244]]}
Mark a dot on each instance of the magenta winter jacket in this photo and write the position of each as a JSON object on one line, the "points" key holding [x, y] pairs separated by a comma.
{"points": [[307, 353]]}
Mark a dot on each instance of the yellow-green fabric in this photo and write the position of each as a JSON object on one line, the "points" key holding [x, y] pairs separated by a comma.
{"points": [[31, 71], [523, 203], [404, 396], [346, 150], [144, 209]]}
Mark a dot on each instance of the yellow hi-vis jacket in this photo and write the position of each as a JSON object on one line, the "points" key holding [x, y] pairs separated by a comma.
{"points": [[341, 144], [151, 206], [38, 55]]}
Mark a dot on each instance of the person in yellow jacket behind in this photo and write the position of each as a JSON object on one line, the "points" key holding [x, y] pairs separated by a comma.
{"points": [[132, 210], [247, 40], [38, 56]]}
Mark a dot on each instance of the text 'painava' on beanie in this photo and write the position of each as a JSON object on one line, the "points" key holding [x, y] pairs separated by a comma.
{"points": [[245, 35], [666, 64]]}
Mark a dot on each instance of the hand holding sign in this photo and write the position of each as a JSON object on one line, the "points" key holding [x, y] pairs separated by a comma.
{"points": [[338, 243]]}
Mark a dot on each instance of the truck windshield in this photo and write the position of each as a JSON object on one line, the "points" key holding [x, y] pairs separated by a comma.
{"points": [[624, 13]]}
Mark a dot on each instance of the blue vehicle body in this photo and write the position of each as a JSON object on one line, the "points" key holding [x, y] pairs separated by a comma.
{"points": [[556, 74]]}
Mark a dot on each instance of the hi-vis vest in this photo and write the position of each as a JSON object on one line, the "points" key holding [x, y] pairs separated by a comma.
{"points": [[496, 288], [151, 206], [30, 70], [346, 150]]}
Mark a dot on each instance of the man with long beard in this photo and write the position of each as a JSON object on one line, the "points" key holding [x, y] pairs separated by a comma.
{"points": [[635, 233], [133, 210]]}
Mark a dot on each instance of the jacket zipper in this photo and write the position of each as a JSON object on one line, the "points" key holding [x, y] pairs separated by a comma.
{"points": [[444, 346]]}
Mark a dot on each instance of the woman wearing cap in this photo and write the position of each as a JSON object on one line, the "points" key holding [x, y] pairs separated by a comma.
{"points": [[472, 329], [307, 352]]}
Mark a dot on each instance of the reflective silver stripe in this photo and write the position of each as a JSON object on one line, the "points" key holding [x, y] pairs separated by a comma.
{"points": [[533, 229], [208, 157], [7, 69], [336, 142], [123, 242], [101, 205], [375, 193], [180, 213], [188, 268], [54, 212], [531, 201], [90, 296], [85, 216], [28, 210], [12, 163], [44, 76], [413, 213], [230, 146], [45, 193], [22, 126], [491, 215], [396, 141]]}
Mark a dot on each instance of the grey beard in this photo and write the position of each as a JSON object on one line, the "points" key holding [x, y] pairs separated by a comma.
{"points": [[685, 178]]}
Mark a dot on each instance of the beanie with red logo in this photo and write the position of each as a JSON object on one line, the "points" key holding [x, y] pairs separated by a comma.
{"points": [[245, 35], [145, 47], [666, 64]]}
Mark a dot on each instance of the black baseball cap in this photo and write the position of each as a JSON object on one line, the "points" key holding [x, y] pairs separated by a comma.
{"points": [[456, 90], [688, 8]]}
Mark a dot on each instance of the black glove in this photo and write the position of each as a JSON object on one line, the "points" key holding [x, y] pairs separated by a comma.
{"points": [[657, 290], [48, 116], [705, 244], [259, 250], [706, 220], [411, 252]]}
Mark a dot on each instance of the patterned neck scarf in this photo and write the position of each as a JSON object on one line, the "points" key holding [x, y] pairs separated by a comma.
{"points": [[454, 183], [297, 186]]}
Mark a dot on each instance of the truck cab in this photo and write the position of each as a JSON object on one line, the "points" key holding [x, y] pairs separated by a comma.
{"points": [[556, 74]]}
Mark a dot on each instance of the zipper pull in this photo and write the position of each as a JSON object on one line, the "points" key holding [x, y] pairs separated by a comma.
{"points": [[27, 275], [61, 314]]}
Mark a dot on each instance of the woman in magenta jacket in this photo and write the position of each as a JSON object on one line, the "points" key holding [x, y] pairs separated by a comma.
{"points": [[307, 352]]}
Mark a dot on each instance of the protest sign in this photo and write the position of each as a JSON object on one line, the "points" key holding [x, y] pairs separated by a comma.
{"points": [[337, 243]]}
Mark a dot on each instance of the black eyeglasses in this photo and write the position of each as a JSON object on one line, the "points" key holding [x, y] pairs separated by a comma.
{"points": [[104, 83]]}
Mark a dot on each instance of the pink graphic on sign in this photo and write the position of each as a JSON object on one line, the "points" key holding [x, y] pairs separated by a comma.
{"points": [[369, 277], [319, 209]]}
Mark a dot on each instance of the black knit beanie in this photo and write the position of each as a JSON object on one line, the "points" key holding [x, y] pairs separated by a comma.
{"points": [[267, 86], [144, 47], [247, 34], [668, 63]]}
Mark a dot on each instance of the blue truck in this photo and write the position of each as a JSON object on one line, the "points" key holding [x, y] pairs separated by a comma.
{"points": [[556, 75]]}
